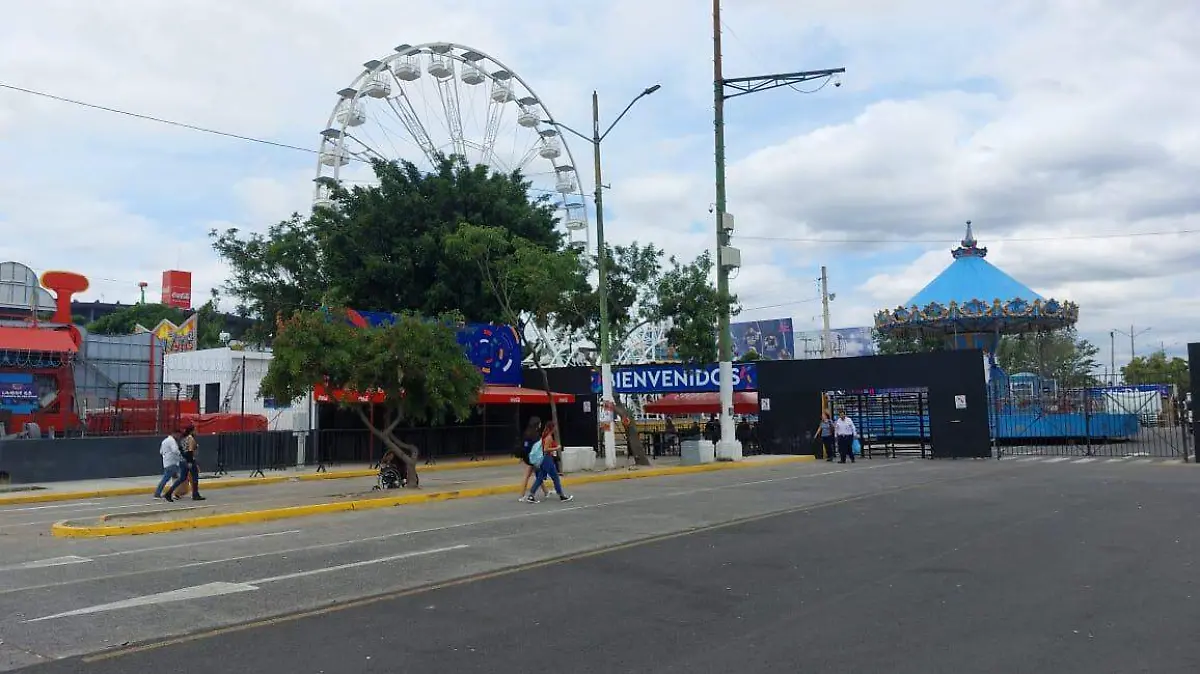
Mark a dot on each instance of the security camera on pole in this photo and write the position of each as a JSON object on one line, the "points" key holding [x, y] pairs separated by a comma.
{"points": [[729, 257]]}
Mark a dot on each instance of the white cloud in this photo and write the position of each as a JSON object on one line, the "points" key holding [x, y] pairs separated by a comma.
{"points": [[1033, 119]]}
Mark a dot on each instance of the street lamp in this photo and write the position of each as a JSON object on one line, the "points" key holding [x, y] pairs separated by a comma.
{"points": [[610, 440], [1132, 335], [729, 257]]}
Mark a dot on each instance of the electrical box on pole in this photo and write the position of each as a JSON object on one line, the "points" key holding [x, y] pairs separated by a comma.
{"points": [[731, 258]]}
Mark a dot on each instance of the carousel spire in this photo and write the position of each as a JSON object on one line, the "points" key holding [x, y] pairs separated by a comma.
{"points": [[970, 247]]}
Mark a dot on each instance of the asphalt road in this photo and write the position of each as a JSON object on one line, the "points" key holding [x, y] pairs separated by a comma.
{"points": [[896, 566]]}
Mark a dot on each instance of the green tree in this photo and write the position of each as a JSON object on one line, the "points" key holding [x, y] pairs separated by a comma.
{"points": [[529, 282], [749, 357], [382, 247], [1158, 369], [1060, 355], [210, 323], [886, 344], [641, 292], [273, 274], [417, 364]]}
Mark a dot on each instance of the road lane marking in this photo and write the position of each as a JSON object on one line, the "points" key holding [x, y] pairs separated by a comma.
{"points": [[1087, 460], [219, 589], [1058, 459], [63, 561], [46, 563], [47, 507], [448, 527]]}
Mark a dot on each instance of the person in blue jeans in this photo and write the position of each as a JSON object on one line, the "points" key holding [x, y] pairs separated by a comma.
{"points": [[172, 459], [546, 448]]}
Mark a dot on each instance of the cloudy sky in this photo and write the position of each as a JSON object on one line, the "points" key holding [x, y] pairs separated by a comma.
{"points": [[1066, 130]]}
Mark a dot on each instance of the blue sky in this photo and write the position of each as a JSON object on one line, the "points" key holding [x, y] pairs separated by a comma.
{"points": [[1032, 119]]}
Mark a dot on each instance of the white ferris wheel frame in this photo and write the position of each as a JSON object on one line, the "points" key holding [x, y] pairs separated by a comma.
{"points": [[334, 135]]}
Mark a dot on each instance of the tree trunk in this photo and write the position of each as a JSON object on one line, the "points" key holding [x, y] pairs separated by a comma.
{"points": [[549, 395], [406, 452], [632, 440]]}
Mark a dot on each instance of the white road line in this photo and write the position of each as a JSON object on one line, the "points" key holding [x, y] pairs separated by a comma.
{"points": [[1058, 459], [73, 504], [193, 544], [220, 588], [448, 527], [1142, 462], [63, 561], [1087, 460], [46, 563], [1031, 458], [1120, 459]]}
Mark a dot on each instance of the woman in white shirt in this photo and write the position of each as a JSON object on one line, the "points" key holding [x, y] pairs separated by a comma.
{"points": [[844, 428]]}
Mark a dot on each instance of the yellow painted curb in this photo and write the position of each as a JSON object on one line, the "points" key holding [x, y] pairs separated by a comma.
{"points": [[65, 529], [245, 482]]}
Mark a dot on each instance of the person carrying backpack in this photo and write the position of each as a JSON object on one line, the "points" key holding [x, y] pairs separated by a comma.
{"points": [[533, 433], [541, 454]]}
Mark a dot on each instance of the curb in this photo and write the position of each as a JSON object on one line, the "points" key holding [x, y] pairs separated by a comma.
{"points": [[65, 529], [231, 483]]}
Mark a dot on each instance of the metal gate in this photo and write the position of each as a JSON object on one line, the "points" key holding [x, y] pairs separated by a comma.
{"points": [[1111, 421], [890, 422]]}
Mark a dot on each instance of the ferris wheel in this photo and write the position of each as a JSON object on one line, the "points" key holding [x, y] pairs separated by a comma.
{"points": [[439, 99]]}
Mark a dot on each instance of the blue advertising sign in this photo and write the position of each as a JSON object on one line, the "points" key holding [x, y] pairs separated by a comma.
{"points": [[18, 393], [772, 339], [1163, 390], [494, 349], [677, 378]]}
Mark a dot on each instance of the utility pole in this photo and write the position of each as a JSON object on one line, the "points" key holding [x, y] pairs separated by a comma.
{"points": [[729, 257], [1132, 335], [606, 385], [1112, 356], [827, 335]]}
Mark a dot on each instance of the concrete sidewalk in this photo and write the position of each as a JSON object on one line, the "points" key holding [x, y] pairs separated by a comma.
{"points": [[136, 486], [435, 487]]}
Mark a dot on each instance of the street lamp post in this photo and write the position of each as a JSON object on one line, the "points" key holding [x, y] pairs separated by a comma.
{"points": [[1132, 335], [729, 257], [597, 137]]}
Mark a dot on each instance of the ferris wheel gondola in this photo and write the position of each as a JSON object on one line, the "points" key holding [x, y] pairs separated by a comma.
{"points": [[426, 101]]}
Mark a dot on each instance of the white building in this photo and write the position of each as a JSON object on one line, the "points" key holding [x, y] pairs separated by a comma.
{"points": [[227, 380]]}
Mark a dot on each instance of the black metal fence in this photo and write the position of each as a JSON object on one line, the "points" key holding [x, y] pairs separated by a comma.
{"points": [[333, 447], [1102, 421], [253, 451]]}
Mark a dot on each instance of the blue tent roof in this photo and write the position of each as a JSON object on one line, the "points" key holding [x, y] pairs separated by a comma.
{"points": [[970, 277]]}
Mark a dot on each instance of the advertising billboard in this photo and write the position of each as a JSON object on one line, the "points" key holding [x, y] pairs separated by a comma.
{"points": [[771, 339], [18, 393], [177, 289], [494, 349], [847, 343]]}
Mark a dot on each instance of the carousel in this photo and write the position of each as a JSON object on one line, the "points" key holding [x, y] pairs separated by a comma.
{"points": [[971, 305]]}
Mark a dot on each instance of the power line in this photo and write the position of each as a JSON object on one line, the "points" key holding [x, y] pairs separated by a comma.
{"points": [[781, 304], [195, 127], [157, 120], [1064, 237]]}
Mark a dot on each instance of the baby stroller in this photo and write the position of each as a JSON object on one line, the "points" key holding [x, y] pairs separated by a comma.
{"points": [[393, 472]]}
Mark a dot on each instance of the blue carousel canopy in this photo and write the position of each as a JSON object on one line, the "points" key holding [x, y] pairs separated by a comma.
{"points": [[973, 302]]}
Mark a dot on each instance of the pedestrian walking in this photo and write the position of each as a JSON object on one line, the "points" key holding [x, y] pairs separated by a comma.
{"points": [[533, 434], [189, 480], [172, 460], [845, 431], [542, 455], [826, 437]]}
